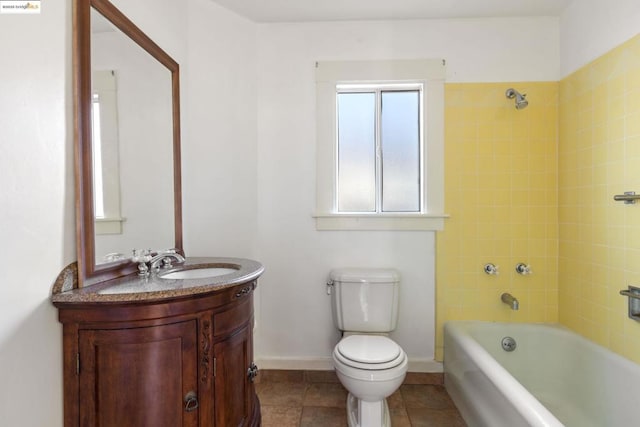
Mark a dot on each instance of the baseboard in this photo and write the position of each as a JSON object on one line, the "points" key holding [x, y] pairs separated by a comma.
{"points": [[425, 365], [326, 364], [297, 364]]}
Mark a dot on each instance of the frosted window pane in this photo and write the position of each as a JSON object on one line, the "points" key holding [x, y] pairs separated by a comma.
{"points": [[356, 152], [400, 140]]}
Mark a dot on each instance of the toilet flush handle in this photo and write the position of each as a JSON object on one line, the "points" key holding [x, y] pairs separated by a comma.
{"points": [[329, 287]]}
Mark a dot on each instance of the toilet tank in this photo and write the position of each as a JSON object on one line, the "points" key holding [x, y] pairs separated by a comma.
{"points": [[365, 300]]}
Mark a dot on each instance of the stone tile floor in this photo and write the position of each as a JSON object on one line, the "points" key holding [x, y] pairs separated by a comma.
{"points": [[317, 399]]}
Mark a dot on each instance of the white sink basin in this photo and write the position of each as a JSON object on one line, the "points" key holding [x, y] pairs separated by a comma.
{"points": [[198, 273]]}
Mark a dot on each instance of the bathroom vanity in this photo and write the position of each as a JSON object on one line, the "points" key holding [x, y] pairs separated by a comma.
{"points": [[148, 351], [146, 342]]}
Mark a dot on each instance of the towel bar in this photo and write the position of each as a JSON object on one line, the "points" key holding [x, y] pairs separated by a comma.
{"points": [[629, 197], [634, 302]]}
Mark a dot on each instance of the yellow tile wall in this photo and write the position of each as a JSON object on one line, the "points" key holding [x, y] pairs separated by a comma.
{"points": [[501, 192], [537, 186], [599, 156]]}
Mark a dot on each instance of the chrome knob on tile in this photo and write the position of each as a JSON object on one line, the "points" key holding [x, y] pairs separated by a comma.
{"points": [[491, 269], [522, 268]]}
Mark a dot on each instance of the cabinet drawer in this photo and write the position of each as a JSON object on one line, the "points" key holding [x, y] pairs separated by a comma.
{"points": [[235, 317]]}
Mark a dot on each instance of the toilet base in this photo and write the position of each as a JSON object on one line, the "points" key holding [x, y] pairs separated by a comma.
{"points": [[367, 414]]}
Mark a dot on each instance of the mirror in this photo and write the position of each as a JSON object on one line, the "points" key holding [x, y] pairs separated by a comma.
{"points": [[127, 113]]}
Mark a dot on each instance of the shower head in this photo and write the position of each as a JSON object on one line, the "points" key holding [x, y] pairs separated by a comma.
{"points": [[521, 101]]}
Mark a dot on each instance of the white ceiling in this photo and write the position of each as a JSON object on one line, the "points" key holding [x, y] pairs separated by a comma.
{"points": [[341, 10]]}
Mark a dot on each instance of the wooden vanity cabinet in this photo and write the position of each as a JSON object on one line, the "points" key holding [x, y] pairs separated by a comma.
{"points": [[181, 362], [138, 376]]}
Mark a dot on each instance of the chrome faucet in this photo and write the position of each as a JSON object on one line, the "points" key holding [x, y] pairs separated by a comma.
{"points": [[510, 300], [164, 259]]}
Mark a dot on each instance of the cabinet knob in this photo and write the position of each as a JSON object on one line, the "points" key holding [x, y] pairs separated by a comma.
{"points": [[191, 402], [252, 372]]}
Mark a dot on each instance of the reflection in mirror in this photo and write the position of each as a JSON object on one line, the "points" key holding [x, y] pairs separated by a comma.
{"points": [[132, 145], [105, 145], [127, 143]]}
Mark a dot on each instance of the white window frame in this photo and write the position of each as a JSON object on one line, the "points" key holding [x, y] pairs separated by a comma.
{"points": [[104, 90], [329, 75]]}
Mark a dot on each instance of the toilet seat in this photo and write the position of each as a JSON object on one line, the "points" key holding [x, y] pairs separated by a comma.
{"points": [[369, 352], [369, 373]]}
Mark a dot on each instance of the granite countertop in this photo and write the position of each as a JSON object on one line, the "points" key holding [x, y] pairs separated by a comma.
{"points": [[134, 288]]}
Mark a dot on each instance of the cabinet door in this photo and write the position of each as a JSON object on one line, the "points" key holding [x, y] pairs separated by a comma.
{"points": [[233, 391], [138, 377]]}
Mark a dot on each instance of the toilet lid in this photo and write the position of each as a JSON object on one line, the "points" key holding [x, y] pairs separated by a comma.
{"points": [[369, 349]]}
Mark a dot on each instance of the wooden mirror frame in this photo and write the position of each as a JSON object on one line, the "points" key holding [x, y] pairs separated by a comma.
{"points": [[88, 271]]}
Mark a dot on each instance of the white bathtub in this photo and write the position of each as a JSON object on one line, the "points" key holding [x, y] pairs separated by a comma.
{"points": [[553, 378]]}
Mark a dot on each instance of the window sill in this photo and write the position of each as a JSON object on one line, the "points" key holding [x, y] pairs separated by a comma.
{"points": [[109, 225], [381, 222]]}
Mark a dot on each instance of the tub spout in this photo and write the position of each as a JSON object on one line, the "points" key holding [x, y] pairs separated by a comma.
{"points": [[510, 300]]}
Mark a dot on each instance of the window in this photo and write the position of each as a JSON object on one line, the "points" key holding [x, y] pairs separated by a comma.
{"points": [[96, 140], [379, 148], [105, 150], [380, 145]]}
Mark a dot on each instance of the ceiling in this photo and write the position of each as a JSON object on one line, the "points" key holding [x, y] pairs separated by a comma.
{"points": [[342, 10]]}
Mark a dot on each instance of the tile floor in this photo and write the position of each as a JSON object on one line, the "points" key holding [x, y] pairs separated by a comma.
{"points": [[317, 399]]}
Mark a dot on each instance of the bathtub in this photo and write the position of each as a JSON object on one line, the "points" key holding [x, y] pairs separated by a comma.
{"points": [[554, 377]]}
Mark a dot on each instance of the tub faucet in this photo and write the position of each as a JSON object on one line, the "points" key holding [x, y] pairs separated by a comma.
{"points": [[510, 301]]}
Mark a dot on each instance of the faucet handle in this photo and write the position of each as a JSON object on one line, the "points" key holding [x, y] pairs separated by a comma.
{"points": [[524, 269], [491, 269], [167, 262], [142, 257]]}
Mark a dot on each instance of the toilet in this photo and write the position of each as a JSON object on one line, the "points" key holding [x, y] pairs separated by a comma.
{"points": [[369, 364]]}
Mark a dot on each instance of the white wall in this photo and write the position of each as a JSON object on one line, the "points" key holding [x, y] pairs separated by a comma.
{"points": [[164, 21], [219, 151], [295, 326], [37, 231], [591, 28]]}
